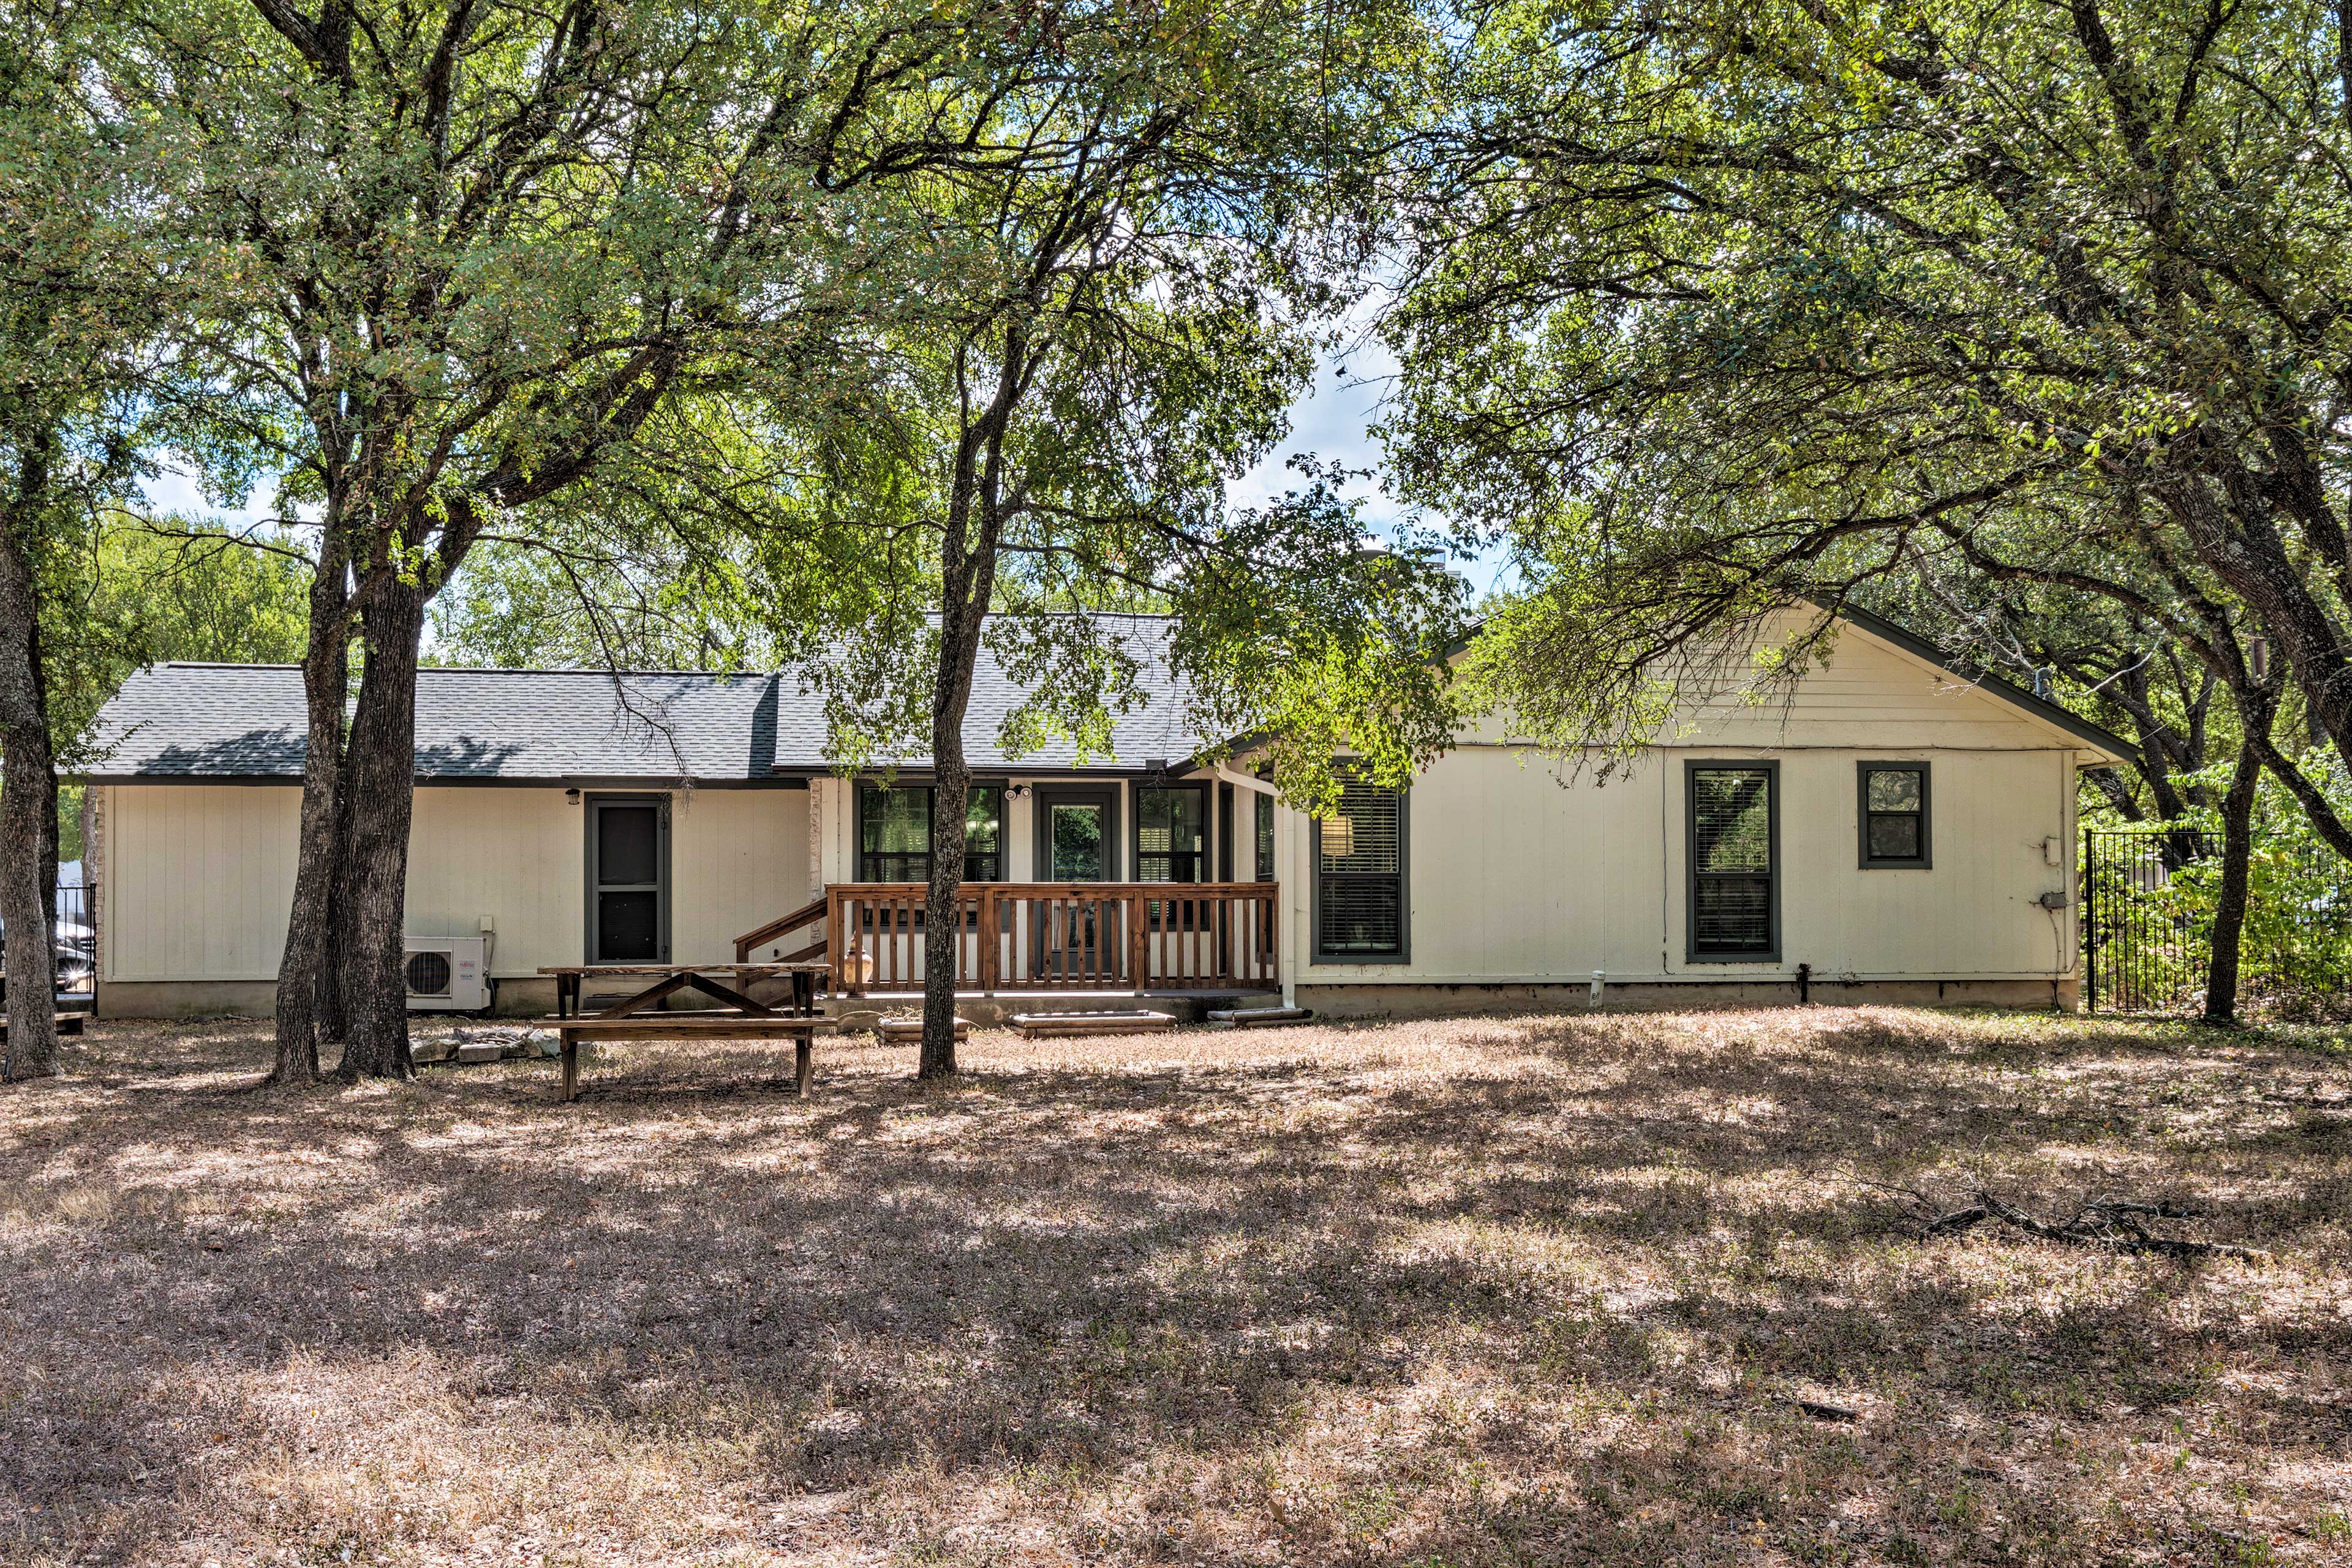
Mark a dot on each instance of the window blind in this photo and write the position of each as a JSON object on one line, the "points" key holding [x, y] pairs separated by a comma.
{"points": [[895, 833], [1732, 871], [1359, 908]]}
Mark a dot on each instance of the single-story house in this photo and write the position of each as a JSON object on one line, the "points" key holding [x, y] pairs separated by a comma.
{"points": [[1891, 831]]}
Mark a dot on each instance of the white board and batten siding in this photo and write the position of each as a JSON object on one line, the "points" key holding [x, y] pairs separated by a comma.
{"points": [[1516, 878], [198, 878]]}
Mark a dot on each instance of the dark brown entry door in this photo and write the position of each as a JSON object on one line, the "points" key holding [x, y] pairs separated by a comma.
{"points": [[628, 879]]}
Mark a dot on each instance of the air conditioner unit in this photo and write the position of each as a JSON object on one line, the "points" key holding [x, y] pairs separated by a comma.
{"points": [[447, 974]]}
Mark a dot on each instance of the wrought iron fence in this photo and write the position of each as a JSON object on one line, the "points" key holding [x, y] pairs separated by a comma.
{"points": [[2148, 900], [76, 936]]}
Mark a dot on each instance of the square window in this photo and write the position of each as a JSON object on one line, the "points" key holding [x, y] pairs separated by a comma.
{"points": [[1893, 800]]}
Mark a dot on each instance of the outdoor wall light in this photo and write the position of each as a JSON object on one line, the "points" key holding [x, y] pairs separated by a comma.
{"points": [[571, 796]]}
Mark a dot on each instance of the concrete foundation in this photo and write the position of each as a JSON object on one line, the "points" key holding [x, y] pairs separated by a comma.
{"points": [[534, 996], [519, 997], [1439, 1001], [186, 999]]}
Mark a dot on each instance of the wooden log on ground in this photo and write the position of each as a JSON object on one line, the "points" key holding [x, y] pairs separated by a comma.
{"points": [[908, 1031], [1261, 1017]]}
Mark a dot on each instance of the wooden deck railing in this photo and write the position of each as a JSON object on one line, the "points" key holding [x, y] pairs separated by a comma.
{"points": [[1060, 936], [807, 914]]}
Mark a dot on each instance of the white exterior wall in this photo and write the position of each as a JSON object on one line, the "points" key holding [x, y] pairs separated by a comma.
{"points": [[198, 878], [1512, 878], [1515, 878]]}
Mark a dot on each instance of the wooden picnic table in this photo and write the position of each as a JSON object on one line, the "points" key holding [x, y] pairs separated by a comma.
{"points": [[736, 1016]]}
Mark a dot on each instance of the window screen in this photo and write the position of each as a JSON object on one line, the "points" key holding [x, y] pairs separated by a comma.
{"points": [[895, 833], [1170, 837], [1733, 847], [1360, 865], [1893, 814]]}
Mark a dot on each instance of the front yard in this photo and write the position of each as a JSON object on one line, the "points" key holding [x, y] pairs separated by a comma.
{"points": [[1482, 1291]]}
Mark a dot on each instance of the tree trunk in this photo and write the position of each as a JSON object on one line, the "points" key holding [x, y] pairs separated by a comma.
{"points": [[968, 586], [28, 824], [306, 972], [952, 779], [2230, 913], [333, 1025], [379, 774]]}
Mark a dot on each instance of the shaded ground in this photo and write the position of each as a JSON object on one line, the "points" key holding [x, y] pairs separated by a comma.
{"points": [[1481, 1291]]}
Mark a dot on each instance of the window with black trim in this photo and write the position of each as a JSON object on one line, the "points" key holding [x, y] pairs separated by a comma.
{"points": [[1893, 798], [1359, 878], [1734, 849], [894, 828], [1225, 832], [1171, 835], [1264, 825]]}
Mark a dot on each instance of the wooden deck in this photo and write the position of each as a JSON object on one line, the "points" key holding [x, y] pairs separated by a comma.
{"points": [[1060, 936]]}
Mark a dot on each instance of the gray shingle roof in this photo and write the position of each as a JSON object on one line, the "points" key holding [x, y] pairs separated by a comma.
{"points": [[217, 720]]}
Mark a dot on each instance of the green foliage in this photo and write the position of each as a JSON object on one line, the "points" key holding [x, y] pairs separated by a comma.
{"points": [[1721, 304], [2297, 943], [151, 590]]}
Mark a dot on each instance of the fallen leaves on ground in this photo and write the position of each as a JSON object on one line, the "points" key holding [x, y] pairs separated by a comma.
{"points": [[1593, 1289]]}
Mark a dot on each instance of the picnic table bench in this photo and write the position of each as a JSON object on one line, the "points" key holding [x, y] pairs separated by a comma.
{"points": [[737, 1017]]}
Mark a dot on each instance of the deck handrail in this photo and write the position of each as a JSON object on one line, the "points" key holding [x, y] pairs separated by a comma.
{"points": [[1081, 936], [807, 914]]}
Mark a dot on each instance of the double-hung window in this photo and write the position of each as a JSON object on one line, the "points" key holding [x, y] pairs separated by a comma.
{"points": [[1734, 851], [1171, 835], [893, 829], [1893, 800], [1361, 913], [1171, 844]]}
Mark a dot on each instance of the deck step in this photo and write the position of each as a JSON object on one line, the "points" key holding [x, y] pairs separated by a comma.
{"points": [[903, 1030], [1261, 1017], [1129, 1021]]}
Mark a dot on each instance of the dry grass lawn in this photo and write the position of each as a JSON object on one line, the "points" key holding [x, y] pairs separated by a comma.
{"points": [[1499, 1291]]}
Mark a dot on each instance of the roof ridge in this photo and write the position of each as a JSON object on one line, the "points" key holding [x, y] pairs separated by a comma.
{"points": [[424, 670]]}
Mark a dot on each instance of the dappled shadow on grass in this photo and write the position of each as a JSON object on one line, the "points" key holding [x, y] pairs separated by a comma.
{"points": [[1480, 1291]]}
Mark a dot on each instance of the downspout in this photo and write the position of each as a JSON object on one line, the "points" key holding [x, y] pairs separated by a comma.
{"points": [[1283, 852]]}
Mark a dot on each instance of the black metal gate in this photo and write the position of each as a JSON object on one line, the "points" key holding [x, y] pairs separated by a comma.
{"points": [[2147, 939], [2142, 953]]}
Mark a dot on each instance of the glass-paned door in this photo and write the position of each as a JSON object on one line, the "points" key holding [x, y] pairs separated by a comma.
{"points": [[1077, 840], [628, 880], [1078, 836]]}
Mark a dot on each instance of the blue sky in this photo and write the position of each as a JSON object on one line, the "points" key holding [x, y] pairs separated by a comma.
{"points": [[1332, 421]]}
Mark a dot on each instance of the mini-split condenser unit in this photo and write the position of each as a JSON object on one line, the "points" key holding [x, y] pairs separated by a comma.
{"points": [[447, 974]]}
